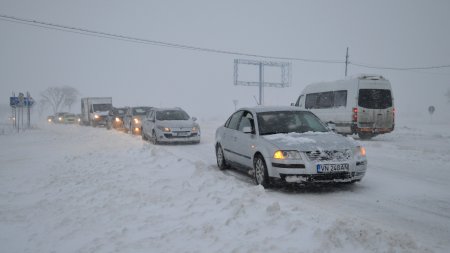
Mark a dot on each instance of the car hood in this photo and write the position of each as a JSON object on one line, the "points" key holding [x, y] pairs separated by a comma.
{"points": [[176, 123], [310, 141]]}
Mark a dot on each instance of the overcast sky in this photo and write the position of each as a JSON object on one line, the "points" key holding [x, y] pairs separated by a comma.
{"points": [[381, 33]]}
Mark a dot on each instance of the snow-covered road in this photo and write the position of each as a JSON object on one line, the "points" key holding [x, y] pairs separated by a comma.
{"points": [[79, 189]]}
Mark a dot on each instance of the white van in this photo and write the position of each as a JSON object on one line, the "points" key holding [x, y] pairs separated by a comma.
{"points": [[362, 105]]}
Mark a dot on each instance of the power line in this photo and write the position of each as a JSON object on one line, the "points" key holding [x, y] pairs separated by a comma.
{"points": [[113, 36], [399, 68], [151, 42]]}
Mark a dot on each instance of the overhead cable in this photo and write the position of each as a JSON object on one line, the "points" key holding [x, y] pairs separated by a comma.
{"points": [[151, 42], [113, 36]]}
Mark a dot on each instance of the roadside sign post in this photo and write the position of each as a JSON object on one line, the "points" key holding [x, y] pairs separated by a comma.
{"points": [[431, 110], [17, 104]]}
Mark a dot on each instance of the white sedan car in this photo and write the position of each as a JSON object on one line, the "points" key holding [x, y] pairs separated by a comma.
{"points": [[170, 125], [287, 144]]}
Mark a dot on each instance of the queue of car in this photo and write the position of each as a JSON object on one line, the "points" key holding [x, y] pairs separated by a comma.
{"points": [[272, 144]]}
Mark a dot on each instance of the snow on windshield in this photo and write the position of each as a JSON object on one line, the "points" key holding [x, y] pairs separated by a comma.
{"points": [[290, 138], [172, 115]]}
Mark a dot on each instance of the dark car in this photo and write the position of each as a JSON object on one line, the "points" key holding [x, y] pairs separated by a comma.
{"points": [[115, 118], [132, 121]]}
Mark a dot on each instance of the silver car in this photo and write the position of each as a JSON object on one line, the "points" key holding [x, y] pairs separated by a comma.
{"points": [[287, 144], [170, 125]]}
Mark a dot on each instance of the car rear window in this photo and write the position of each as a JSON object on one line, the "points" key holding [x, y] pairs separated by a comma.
{"points": [[375, 98]]}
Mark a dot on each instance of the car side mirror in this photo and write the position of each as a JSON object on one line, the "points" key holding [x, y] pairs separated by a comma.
{"points": [[292, 104], [194, 118], [331, 126], [247, 130]]}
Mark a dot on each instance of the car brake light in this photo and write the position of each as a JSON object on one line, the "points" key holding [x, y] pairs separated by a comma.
{"points": [[355, 115], [393, 114]]}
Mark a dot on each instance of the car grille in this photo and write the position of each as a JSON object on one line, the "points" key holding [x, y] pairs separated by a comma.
{"points": [[322, 177], [330, 155]]}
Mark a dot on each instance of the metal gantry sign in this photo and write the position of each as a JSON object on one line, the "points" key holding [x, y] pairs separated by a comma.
{"points": [[285, 78]]}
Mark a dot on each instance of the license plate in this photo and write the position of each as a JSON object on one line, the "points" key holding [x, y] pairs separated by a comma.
{"points": [[326, 168], [181, 134]]}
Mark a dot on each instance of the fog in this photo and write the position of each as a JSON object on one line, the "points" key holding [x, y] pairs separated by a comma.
{"points": [[379, 33]]}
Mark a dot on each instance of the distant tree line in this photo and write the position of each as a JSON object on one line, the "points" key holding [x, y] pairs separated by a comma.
{"points": [[58, 98]]}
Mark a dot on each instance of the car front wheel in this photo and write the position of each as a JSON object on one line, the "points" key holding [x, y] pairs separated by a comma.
{"points": [[260, 171], [221, 163], [144, 137], [154, 138]]}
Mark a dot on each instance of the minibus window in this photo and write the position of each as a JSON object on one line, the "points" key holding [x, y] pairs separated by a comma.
{"points": [[311, 101], [375, 98], [326, 99], [340, 98]]}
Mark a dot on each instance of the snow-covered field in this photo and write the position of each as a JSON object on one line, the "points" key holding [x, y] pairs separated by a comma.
{"points": [[80, 189]]}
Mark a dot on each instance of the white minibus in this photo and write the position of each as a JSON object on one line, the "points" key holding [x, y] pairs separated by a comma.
{"points": [[361, 105]]}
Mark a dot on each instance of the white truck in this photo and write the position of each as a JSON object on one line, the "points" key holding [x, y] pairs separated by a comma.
{"points": [[94, 110]]}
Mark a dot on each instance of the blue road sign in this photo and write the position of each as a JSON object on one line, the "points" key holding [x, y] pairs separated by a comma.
{"points": [[15, 102]]}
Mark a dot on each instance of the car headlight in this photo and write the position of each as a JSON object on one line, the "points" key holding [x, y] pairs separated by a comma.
{"points": [[96, 116], [194, 129], [136, 121], [60, 118], [79, 119], [287, 155], [165, 129], [117, 119], [49, 120], [360, 151]]}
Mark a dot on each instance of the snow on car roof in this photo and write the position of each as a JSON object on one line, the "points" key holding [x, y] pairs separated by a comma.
{"points": [[168, 109], [258, 109]]}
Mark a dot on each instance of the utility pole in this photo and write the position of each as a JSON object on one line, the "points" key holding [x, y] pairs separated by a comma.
{"points": [[346, 62], [261, 83]]}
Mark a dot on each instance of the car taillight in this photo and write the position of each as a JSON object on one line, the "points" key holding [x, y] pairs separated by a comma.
{"points": [[393, 114], [355, 115]]}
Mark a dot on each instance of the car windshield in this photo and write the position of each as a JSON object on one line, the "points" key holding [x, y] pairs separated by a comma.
{"points": [[172, 115], [101, 107], [140, 111], [288, 122]]}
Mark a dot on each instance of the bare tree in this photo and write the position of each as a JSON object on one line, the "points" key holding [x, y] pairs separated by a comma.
{"points": [[42, 105], [71, 95], [57, 97]]}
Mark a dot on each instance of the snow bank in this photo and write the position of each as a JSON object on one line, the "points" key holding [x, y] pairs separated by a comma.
{"points": [[80, 189]]}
